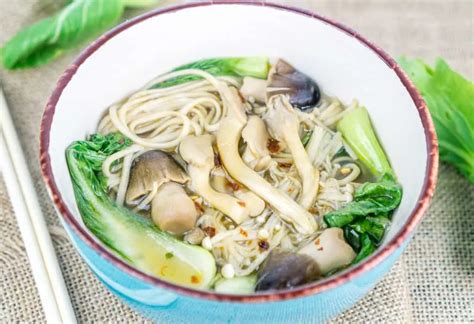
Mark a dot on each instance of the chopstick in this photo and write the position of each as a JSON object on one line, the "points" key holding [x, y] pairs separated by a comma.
{"points": [[34, 231]]}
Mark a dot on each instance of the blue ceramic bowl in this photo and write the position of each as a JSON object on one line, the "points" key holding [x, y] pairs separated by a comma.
{"points": [[344, 64]]}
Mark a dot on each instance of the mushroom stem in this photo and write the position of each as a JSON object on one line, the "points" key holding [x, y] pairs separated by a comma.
{"points": [[172, 209], [197, 152], [256, 153], [285, 124], [228, 138], [232, 207], [253, 87]]}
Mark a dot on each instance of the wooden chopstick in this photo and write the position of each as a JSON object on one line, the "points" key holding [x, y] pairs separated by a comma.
{"points": [[44, 264]]}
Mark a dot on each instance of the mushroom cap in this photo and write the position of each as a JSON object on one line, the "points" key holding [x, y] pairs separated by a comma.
{"points": [[283, 78], [151, 170], [172, 209], [197, 150], [284, 269], [329, 250]]}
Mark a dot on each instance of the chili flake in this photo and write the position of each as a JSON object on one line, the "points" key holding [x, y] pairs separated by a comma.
{"points": [[273, 145], [243, 232], [233, 185], [241, 203], [210, 231], [195, 279], [199, 207]]}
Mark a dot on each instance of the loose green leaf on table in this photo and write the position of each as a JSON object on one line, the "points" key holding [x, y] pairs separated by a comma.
{"points": [[450, 99], [78, 21]]}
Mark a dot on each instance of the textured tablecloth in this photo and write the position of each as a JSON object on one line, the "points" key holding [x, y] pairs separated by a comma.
{"points": [[432, 282]]}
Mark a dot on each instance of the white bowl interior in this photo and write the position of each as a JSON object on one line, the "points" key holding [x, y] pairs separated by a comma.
{"points": [[341, 65]]}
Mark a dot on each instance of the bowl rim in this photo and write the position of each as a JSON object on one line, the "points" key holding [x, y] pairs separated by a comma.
{"points": [[310, 289]]}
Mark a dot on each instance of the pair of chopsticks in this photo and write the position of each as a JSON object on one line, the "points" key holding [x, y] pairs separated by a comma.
{"points": [[34, 231]]}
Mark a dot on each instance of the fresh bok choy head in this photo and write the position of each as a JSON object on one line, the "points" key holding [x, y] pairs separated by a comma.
{"points": [[135, 238]]}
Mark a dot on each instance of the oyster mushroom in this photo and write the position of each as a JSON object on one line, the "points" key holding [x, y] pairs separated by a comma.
{"points": [[284, 79], [254, 88], [253, 203], [171, 208], [256, 153], [197, 152], [228, 137], [283, 121], [329, 250], [284, 270]]}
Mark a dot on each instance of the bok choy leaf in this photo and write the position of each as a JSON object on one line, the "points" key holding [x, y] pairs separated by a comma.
{"points": [[450, 100], [78, 21], [256, 67]]}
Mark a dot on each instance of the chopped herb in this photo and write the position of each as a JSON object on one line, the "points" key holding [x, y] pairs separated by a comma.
{"points": [[306, 138], [169, 255]]}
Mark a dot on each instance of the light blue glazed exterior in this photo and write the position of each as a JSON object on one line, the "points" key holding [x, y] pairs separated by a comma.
{"points": [[163, 306]]}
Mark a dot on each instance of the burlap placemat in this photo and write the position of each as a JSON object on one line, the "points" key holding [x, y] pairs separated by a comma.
{"points": [[432, 282]]}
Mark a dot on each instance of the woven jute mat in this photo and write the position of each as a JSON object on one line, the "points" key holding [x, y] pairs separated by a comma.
{"points": [[432, 282]]}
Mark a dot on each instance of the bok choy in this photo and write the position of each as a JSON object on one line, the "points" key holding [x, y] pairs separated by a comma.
{"points": [[133, 237], [366, 219], [450, 100], [49, 38], [256, 67]]}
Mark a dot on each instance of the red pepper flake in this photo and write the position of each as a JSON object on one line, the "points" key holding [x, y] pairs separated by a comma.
{"points": [[243, 232], [199, 207], [320, 249], [217, 160], [233, 185], [284, 165], [241, 203], [290, 190], [263, 245], [313, 210], [210, 231], [195, 279], [273, 145], [317, 241]]}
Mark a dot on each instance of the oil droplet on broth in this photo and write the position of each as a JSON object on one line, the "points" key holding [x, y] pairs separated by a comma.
{"points": [[171, 269]]}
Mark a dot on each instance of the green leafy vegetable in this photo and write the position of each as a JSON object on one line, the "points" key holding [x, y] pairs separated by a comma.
{"points": [[133, 237], [366, 219], [47, 39], [373, 226], [231, 66], [306, 137], [237, 285], [377, 198], [358, 132], [450, 99], [367, 248]]}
